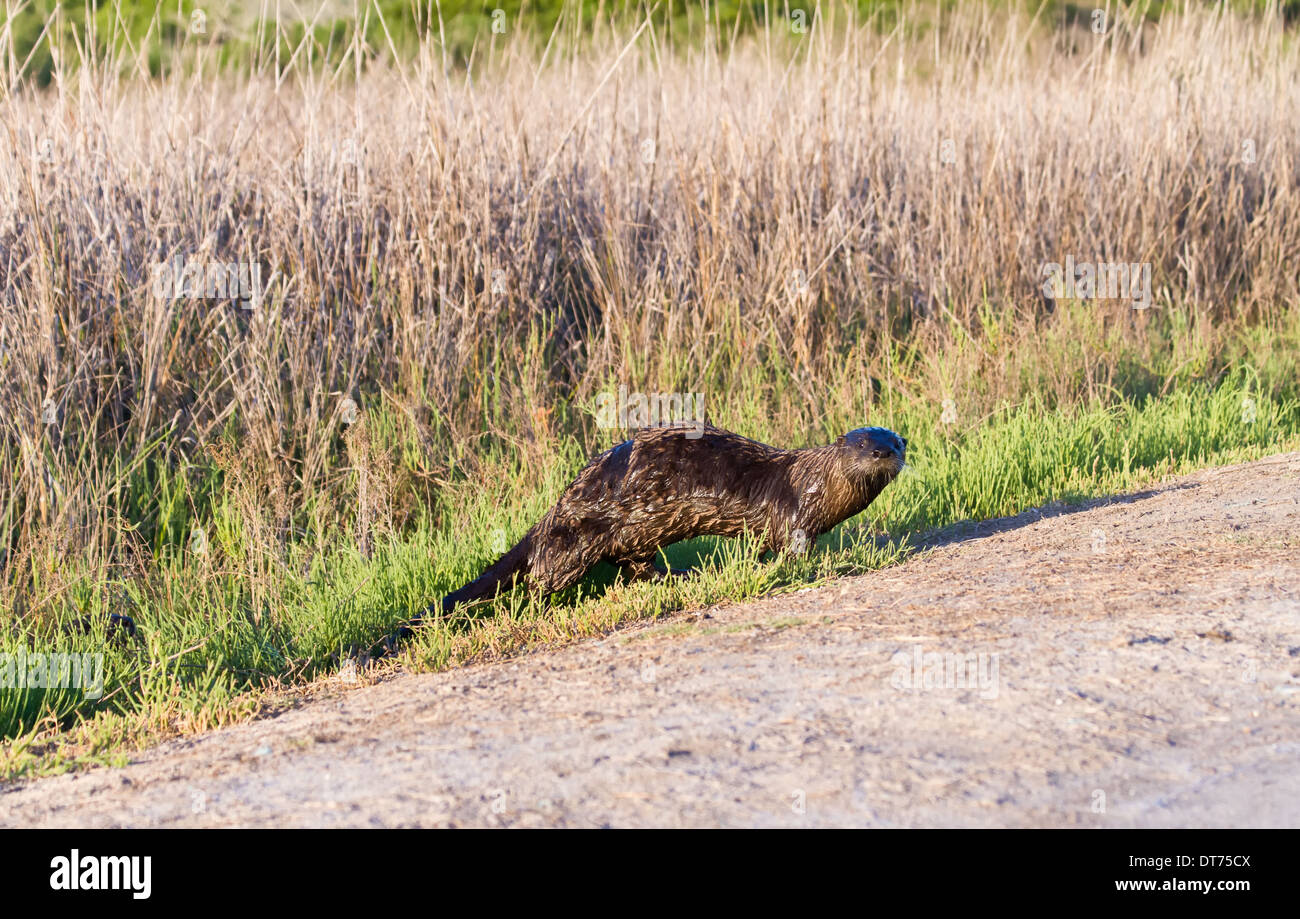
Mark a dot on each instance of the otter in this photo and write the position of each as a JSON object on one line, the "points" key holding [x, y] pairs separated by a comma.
{"points": [[672, 483]]}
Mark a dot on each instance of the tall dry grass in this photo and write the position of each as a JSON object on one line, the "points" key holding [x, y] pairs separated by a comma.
{"points": [[473, 255]]}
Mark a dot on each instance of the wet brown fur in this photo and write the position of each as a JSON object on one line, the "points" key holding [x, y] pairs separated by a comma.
{"points": [[663, 486]]}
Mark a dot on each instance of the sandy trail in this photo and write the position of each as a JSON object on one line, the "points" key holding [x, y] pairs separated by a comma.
{"points": [[1135, 662]]}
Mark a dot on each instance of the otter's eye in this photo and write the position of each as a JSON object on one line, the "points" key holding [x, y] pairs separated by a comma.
{"points": [[877, 454]]}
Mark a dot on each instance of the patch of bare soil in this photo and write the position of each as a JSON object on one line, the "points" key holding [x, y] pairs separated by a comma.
{"points": [[1134, 662]]}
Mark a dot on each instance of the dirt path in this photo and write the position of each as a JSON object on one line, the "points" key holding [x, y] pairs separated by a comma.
{"points": [[1134, 663]]}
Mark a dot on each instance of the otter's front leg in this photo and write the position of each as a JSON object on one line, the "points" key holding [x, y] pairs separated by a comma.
{"points": [[638, 570], [648, 569], [795, 540]]}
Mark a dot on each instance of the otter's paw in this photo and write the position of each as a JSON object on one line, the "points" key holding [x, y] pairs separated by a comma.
{"points": [[120, 624], [387, 647], [676, 572]]}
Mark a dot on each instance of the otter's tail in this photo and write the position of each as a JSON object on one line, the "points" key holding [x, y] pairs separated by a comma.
{"points": [[498, 576]]}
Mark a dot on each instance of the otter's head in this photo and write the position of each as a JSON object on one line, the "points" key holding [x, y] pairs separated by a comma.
{"points": [[873, 455]]}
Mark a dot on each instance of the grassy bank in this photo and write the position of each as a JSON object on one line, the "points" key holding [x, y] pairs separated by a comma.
{"points": [[817, 232], [229, 620], [219, 634]]}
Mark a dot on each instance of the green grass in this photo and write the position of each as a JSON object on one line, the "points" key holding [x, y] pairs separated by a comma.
{"points": [[156, 34], [216, 643]]}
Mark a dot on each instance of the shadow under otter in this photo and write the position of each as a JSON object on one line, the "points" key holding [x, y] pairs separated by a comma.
{"points": [[667, 484]]}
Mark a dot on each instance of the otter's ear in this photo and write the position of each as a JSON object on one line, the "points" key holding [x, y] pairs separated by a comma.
{"points": [[840, 441]]}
